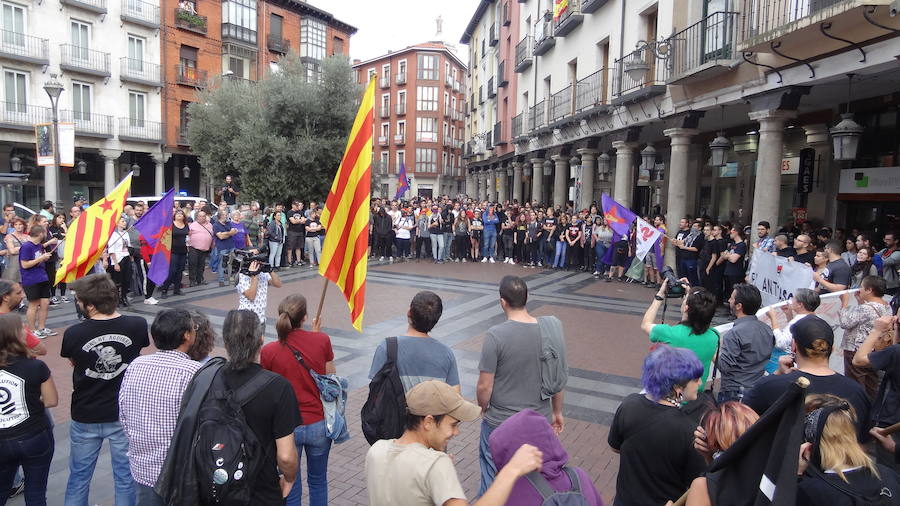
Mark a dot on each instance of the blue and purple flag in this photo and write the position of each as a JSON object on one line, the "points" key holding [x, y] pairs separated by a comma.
{"points": [[402, 182], [618, 217], [155, 228]]}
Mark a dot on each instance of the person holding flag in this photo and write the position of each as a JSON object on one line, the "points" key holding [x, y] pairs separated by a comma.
{"points": [[402, 182], [155, 228]]}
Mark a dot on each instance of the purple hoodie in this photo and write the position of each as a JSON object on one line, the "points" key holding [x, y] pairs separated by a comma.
{"points": [[529, 426]]}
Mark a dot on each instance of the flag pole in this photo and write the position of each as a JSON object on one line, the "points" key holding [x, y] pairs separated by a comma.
{"points": [[887, 431], [681, 500], [321, 300]]}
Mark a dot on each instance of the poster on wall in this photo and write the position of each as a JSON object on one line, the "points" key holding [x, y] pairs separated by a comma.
{"points": [[67, 144], [43, 140]]}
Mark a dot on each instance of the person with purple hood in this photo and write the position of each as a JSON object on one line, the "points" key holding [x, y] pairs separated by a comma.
{"points": [[530, 427]]}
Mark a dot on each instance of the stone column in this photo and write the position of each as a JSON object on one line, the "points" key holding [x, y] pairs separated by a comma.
{"points": [[503, 191], [588, 169], [823, 202], [624, 185], [560, 180], [159, 175], [537, 180], [109, 169], [677, 178], [517, 182], [526, 176], [548, 170], [767, 189], [470, 185], [492, 184]]}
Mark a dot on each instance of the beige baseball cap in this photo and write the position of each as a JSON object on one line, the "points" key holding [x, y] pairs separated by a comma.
{"points": [[435, 397]]}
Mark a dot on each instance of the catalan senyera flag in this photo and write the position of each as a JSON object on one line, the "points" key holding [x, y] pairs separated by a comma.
{"points": [[88, 234], [559, 7], [346, 213]]}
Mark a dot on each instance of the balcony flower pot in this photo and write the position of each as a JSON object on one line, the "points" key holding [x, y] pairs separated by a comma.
{"points": [[192, 20]]}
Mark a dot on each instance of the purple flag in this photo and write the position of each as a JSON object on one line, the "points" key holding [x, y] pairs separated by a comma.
{"points": [[155, 228], [618, 217], [402, 182]]}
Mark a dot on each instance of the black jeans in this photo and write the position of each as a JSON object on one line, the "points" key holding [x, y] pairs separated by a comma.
{"points": [[33, 452], [196, 265], [383, 245], [176, 267], [423, 243]]}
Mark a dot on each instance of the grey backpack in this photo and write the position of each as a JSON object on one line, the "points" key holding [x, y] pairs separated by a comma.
{"points": [[554, 369], [552, 497]]}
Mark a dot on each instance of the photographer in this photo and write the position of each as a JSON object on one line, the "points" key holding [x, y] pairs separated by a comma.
{"points": [[229, 192], [253, 289], [698, 306]]}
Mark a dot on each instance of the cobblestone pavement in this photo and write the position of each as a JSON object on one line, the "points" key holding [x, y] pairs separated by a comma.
{"points": [[601, 320]]}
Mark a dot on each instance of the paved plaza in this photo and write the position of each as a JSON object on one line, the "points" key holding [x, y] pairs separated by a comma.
{"points": [[601, 320]]}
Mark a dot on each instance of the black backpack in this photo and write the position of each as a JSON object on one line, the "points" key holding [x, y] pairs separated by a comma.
{"points": [[551, 497], [227, 454], [384, 413]]}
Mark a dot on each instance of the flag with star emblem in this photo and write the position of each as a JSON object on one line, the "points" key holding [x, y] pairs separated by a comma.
{"points": [[618, 217], [155, 228], [88, 234]]}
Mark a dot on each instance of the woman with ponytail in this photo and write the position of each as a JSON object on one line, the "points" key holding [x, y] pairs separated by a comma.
{"points": [[314, 348]]}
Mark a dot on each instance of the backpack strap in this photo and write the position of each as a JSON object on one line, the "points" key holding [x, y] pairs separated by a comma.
{"points": [[246, 392], [574, 478], [392, 349], [540, 484]]}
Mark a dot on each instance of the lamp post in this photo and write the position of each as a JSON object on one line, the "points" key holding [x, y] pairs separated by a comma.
{"points": [[51, 174]]}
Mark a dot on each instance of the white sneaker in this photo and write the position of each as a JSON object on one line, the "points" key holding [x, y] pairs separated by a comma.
{"points": [[483, 260], [512, 262], [39, 334], [391, 260], [463, 260], [65, 299], [49, 332], [151, 301], [381, 259], [492, 260]]}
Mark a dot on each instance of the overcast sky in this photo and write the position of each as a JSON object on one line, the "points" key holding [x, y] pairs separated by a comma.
{"points": [[389, 25]]}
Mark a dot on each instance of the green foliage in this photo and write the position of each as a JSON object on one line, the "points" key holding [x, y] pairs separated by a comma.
{"points": [[283, 137], [192, 20]]}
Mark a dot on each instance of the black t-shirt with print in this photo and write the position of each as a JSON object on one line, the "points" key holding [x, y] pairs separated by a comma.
{"points": [[21, 409], [101, 351], [297, 228], [310, 223], [271, 415], [573, 230]]}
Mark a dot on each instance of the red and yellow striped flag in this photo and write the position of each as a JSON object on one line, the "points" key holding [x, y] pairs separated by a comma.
{"points": [[89, 233], [346, 213]]}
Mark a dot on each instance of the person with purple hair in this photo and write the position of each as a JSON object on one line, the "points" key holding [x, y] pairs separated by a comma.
{"points": [[653, 437]]}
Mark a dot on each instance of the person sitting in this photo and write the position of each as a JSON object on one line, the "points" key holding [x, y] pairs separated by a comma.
{"points": [[651, 434], [530, 427], [835, 468]]}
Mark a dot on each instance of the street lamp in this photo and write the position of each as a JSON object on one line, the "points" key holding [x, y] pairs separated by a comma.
{"points": [[186, 171], [136, 169], [845, 135], [82, 168], [15, 164], [637, 67], [51, 174], [648, 158], [603, 166]]}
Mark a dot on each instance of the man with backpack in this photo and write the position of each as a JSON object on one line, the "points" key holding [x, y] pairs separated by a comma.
{"points": [[509, 382], [150, 398], [415, 470]]}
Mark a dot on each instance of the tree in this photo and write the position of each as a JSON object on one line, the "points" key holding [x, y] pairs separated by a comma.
{"points": [[282, 137]]}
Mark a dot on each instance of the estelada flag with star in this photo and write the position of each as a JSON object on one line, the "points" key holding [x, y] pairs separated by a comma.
{"points": [[88, 234], [346, 213]]}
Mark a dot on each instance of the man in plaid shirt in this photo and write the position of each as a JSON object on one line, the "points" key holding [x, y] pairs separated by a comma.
{"points": [[150, 398], [765, 242]]}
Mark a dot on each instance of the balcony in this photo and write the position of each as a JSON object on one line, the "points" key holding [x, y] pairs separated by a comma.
{"points": [[502, 78], [385, 110], [400, 139], [16, 116], [590, 6], [401, 78], [278, 44], [448, 81], [590, 92], [139, 72], [98, 6], [523, 53], [84, 60], [543, 35], [629, 89], [703, 50], [89, 124], [491, 88], [480, 95], [568, 19], [498, 134], [401, 109], [140, 13], [456, 86], [504, 14], [384, 82], [183, 135], [488, 140], [445, 112], [190, 76], [187, 20], [447, 141], [561, 104], [24, 48], [383, 140], [517, 122], [536, 116], [237, 33], [140, 130], [493, 40]]}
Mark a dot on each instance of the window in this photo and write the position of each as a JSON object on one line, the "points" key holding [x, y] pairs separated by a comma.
{"points": [[453, 73], [81, 101], [275, 27], [385, 130], [313, 72], [453, 103], [426, 98], [446, 101], [453, 131], [386, 103], [428, 66], [14, 86], [426, 160], [386, 73], [401, 99], [136, 104], [444, 168], [239, 20], [236, 66], [183, 116], [312, 38], [385, 162], [81, 39], [402, 68], [337, 46], [13, 25], [426, 129], [135, 54], [446, 70], [188, 61], [401, 128]]}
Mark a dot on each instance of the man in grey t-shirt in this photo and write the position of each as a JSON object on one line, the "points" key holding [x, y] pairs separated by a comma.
{"points": [[510, 378]]}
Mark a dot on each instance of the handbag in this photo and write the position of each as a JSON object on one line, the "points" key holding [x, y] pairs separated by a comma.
{"points": [[332, 390]]}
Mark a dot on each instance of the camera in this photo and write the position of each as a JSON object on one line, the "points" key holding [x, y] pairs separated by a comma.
{"points": [[674, 288], [242, 259]]}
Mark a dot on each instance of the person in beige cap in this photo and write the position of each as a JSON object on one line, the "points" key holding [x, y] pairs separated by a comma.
{"points": [[415, 469]]}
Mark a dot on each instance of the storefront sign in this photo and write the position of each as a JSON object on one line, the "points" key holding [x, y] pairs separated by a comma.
{"points": [[871, 180], [790, 165], [806, 166], [777, 278]]}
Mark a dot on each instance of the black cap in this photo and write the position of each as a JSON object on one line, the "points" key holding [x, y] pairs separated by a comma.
{"points": [[809, 328]]}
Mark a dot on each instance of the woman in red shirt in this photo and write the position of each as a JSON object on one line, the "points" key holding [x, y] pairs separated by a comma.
{"points": [[315, 349]]}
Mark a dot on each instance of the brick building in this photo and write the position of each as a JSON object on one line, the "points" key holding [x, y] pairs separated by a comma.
{"points": [[419, 118]]}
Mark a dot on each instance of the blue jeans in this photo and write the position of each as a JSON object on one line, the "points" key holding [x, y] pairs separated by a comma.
{"points": [[437, 246], [488, 242], [86, 439], [485, 459], [146, 496], [275, 253], [34, 453], [600, 250], [689, 269], [213, 259], [559, 260], [730, 395], [312, 438], [222, 257]]}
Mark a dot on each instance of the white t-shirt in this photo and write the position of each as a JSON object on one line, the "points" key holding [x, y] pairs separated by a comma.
{"points": [[117, 246], [406, 221], [410, 475], [257, 305]]}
